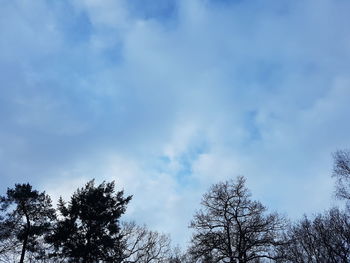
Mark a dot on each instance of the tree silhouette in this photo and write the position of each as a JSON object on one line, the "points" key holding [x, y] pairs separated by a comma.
{"points": [[341, 171], [325, 238], [144, 246], [178, 256], [88, 230], [26, 217], [232, 228]]}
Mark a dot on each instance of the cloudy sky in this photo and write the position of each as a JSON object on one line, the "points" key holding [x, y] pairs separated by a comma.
{"points": [[169, 96]]}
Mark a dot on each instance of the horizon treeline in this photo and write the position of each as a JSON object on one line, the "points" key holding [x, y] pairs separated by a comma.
{"points": [[229, 227]]}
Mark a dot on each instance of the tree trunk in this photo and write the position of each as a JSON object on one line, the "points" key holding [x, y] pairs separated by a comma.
{"points": [[25, 241]]}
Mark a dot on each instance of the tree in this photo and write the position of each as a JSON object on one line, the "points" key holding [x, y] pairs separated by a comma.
{"points": [[144, 246], [177, 256], [88, 230], [341, 171], [233, 228], [326, 238], [26, 218]]}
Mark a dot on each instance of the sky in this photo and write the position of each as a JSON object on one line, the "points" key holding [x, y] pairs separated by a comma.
{"points": [[167, 97]]}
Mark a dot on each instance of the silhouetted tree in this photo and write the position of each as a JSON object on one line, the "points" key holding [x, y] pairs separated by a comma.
{"points": [[341, 171], [233, 228], [26, 216], [326, 238], [9, 246], [177, 256], [144, 246], [88, 230]]}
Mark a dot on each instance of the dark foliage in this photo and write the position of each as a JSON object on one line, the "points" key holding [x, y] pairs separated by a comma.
{"points": [[26, 215], [88, 230]]}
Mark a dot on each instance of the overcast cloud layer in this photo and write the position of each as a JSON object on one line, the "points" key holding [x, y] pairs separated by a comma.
{"points": [[167, 97]]}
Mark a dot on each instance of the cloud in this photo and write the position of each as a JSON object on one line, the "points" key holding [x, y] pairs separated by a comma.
{"points": [[170, 97]]}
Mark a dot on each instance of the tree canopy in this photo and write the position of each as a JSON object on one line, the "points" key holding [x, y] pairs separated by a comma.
{"points": [[26, 216], [341, 171], [89, 228], [231, 227]]}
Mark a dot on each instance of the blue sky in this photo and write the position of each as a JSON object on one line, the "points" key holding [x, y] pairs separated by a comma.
{"points": [[169, 96]]}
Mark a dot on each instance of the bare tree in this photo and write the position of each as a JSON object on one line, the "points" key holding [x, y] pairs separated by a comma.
{"points": [[326, 238], [233, 228], [144, 246], [341, 171], [178, 256], [10, 247]]}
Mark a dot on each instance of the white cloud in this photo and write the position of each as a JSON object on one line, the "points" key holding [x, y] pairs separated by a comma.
{"points": [[108, 13], [227, 88]]}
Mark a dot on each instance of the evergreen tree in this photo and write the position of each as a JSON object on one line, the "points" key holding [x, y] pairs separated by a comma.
{"points": [[26, 216], [88, 230]]}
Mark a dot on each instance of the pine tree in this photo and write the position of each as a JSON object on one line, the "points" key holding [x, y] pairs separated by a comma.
{"points": [[89, 228], [26, 218]]}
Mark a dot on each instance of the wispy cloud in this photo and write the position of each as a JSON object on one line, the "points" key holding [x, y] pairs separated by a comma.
{"points": [[168, 97]]}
